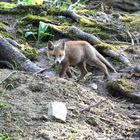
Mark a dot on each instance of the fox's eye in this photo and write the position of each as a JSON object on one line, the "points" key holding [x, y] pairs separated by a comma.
{"points": [[60, 55]]}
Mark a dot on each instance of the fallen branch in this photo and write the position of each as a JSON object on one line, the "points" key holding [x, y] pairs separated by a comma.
{"points": [[117, 56], [13, 72], [95, 105]]}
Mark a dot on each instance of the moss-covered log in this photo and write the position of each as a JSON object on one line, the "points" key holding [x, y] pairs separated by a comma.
{"points": [[11, 54], [123, 88]]}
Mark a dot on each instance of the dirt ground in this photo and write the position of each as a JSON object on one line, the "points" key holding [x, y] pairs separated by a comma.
{"points": [[24, 112]]}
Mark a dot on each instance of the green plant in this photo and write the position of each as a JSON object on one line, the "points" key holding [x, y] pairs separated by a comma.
{"points": [[44, 31], [4, 136], [6, 5], [3, 105], [30, 33], [29, 2]]}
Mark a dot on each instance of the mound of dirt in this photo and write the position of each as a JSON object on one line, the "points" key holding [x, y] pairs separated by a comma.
{"points": [[23, 110]]}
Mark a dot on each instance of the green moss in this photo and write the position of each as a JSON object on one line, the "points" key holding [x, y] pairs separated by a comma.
{"points": [[86, 11], [3, 105], [127, 18], [125, 85], [3, 22], [30, 53], [135, 24], [90, 30], [33, 21], [24, 10], [4, 136], [6, 5], [85, 21], [53, 11], [103, 46], [120, 87], [6, 34], [37, 19]]}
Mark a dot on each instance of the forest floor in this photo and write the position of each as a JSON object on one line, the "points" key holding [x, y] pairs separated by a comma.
{"points": [[24, 98]]}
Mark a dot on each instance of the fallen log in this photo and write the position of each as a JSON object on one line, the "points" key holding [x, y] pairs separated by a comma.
{"points": [[11, 54]]}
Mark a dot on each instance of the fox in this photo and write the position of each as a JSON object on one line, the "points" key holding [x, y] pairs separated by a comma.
{"points": [[79, 53]]}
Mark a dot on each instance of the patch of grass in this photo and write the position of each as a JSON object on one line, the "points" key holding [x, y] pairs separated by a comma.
{"points": [[3, 105], [2, 91], [4, 136]]}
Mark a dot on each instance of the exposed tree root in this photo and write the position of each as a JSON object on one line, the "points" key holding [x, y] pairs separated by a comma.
{"points": [[11, 54]]}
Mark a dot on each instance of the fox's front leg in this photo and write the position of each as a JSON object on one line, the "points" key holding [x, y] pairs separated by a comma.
{"points": [[63, 69], [68, 73]]}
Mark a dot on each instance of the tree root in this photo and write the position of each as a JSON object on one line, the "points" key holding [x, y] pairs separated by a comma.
{"points": [[8, 52]]}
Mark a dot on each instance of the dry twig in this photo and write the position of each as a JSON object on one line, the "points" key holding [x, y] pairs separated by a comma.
{"points": [[13, 72], [94, 105]]}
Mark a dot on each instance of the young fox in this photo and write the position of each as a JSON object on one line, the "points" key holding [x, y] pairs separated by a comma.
{"points": [[77, 53]]}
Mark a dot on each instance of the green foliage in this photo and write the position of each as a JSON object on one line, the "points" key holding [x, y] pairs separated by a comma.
{"points": [[27, 34], [4, 136], [29, 2], [44, 31], [3, 105], [6, 5]]}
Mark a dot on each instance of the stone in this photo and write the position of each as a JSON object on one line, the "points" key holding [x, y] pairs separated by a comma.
{"points": [[57, 110], [93, 86]]}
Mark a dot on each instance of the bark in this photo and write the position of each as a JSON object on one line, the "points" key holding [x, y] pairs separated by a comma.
{"points": [[71, 14], [11, 54], [127, 5], [117, 56]]}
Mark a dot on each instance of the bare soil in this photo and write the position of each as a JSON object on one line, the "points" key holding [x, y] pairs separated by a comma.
{"points": [[25, 115]]}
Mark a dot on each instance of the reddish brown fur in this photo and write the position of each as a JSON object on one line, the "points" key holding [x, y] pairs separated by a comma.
{"points": [[79, 53]]}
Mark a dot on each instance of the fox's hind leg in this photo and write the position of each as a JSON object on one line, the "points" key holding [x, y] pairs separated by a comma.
{"points": [[82, 67], [100, 65]]}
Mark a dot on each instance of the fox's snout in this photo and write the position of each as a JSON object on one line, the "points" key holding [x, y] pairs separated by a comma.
{"points": [[57, 61]]}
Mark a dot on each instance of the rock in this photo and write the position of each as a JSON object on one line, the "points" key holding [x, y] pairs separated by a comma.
{"points": [[93, 86], [91, 120], [57, 110], [44, 136], [137, 68], [125, 88]]}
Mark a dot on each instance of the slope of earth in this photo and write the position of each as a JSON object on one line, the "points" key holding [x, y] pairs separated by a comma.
{"points": [[23, 110]]}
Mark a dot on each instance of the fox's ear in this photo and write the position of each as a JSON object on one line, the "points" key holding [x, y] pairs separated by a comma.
{"points": [[63, 45], [50, 45]]}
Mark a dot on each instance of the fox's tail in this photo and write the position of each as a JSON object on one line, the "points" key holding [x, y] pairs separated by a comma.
{"points": [[105, 61]]}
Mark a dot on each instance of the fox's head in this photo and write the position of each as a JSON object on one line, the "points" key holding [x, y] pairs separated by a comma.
{"points": [[56, 52]]}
